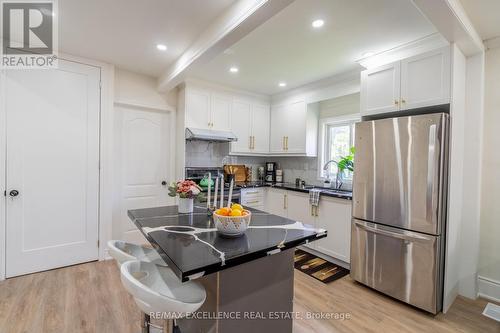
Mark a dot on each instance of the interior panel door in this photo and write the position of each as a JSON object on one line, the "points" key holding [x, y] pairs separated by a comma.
{"points": [[144, 149], [52, 167]]}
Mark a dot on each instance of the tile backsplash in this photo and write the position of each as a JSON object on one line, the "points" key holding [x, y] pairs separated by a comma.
{"points": [[205, 154]]}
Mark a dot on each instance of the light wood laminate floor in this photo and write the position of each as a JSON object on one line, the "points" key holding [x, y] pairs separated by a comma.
{"points": [[90, 298]]}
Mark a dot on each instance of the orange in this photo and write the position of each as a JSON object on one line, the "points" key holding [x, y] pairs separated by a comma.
{"points": [[235, 212], [224, 211], [237, 206]]}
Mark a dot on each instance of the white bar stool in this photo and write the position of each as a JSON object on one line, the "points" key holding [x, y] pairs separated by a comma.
{"points": [[122, 251], [157, 289]]}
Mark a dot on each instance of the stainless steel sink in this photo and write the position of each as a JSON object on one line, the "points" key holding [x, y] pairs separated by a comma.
{"points": [[337, 192], [328, 190]]}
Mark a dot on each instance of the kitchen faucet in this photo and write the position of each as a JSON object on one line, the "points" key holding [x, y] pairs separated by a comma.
{"points": [[338, 182]]}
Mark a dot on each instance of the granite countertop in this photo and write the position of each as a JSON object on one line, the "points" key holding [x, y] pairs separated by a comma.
{"points": [[192, 247], [342, 194]]}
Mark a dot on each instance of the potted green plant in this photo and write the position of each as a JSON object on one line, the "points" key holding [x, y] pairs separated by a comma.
{"points": [[345, 163]]}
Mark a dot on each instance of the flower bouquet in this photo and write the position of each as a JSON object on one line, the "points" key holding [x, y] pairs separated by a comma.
{"points": [[187, 190]]}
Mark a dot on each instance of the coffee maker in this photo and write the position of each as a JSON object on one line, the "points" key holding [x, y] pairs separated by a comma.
{"points": [[270, 172]]}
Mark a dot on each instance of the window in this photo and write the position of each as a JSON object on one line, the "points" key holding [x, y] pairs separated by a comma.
{"points": [[337, 138]]}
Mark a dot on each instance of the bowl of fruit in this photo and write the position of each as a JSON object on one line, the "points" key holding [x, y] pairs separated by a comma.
{"points": [[232, 221]]}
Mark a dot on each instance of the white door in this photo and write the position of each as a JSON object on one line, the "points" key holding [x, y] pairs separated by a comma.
{"points": [[276, 202], [198, 108], [240, 125], [334, 215], [144, 149], [220, 112], [53, 164], [295, 142], [425, 79], [260, 128], [279, 123], [380, 89]]}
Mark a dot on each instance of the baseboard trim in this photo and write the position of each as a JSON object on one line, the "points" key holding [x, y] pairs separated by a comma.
{"points": [[488, 288]]}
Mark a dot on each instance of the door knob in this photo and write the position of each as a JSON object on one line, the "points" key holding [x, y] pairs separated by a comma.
{"points": [[14, 193], [164, 183]]}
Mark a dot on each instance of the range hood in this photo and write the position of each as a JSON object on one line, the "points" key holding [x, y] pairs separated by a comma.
{"points": [[209, 135]]}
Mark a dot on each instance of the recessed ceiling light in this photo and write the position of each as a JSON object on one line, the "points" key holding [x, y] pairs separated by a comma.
{"points": [[317, 23], [282, 84], [161, 47], [367, 54], [234, 69]]}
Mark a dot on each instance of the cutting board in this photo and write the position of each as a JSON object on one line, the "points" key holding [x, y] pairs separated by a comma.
{"points": [[240, 171]]}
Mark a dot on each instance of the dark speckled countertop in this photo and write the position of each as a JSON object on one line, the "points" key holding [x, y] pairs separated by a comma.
{"points": [[192, 247], [342, 194]]}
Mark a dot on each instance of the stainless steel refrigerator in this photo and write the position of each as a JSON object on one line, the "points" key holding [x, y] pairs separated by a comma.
{"points": [[399, 207]]}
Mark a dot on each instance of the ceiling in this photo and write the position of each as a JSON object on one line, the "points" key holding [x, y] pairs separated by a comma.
{"points": [[126, 32], [287, 48], [485, 16]]}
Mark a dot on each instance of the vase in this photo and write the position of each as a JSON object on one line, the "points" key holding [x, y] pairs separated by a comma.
{"points": [[186, 205]]}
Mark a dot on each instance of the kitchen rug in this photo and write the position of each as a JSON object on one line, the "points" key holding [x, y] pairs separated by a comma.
{"points": [[317, 267]]}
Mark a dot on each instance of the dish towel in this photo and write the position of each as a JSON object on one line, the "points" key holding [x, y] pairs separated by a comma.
{"points": [[314, 197]]}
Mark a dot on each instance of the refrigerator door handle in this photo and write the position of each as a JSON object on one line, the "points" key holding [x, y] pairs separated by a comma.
{"points": [[404, 235], [431, 169]]}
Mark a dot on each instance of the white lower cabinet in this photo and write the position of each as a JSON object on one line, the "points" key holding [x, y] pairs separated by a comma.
{"points": [[333, 215], [276, 202], [253, 197], [299, 209]]}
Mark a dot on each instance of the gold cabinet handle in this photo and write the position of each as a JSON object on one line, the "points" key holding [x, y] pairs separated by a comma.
{"points": [[396, 102], [284, 201], [286, 143], [403, 101], [312, 210], [317, 211], [252, 202], [250, 142]]}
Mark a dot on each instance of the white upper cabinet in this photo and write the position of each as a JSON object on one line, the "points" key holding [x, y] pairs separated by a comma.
{"points": [[261, 118], [294, 129], [250, 124], [241, 119], [278, 130], [426, 79], [197, 108], [296, 126], [419, 81], [220, 115], [380, 89], [207, 110]]}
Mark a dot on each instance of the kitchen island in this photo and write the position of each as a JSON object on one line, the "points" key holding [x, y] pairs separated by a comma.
{"points": [[249, 279]]}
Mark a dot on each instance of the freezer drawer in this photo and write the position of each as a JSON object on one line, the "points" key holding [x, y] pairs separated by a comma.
{"points": [[399, 263]]}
